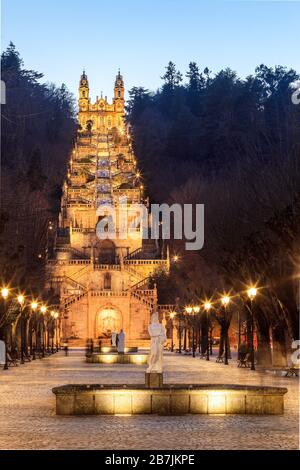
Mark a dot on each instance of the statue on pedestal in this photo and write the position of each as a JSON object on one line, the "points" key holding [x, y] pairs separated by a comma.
{"points": [[113, 339], [158, 337]]}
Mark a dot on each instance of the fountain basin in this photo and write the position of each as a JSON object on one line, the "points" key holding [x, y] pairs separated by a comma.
{"points": [[128, 358], [114, 349], [168, 400]]}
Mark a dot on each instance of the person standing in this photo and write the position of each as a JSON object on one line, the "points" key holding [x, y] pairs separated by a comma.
{"points": [[66, 348], [121, 342]]}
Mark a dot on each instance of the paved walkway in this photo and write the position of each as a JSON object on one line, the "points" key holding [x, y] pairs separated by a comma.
{"points": [[28, 420]]}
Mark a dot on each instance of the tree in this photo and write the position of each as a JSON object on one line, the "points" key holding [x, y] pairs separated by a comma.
{"points": [[172, 77]]}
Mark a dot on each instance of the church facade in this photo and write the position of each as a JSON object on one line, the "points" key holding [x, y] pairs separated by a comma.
{"points": [[101, 277]]}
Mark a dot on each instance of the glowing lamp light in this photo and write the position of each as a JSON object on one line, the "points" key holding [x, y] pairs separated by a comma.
{"points": [[34, 305], [5, 292], [252, 291], [21, 299], [225, 300], [188, 310], [196, 309], [138, 359], [109, 359], [172, 315], [207, 306], [56, 315], [175, 258], [43, 309]]}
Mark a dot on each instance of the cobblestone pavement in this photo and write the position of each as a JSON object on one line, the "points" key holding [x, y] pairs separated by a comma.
{"points": [[28, 420]]}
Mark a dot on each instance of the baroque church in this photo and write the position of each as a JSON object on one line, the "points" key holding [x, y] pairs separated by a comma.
{"points": [[102, 282]]}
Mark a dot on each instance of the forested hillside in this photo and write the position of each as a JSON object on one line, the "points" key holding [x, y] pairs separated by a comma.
{"points": [[234, 145], [37, 131]]}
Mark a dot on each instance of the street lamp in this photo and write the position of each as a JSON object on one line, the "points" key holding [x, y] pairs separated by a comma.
{"points": [[21, 300], [43, 311], [252, 292], [34, 306], [172, 315], [56, 316], [196, 310], [207, 307], [188, 310], [5, 294], [225, 302]]}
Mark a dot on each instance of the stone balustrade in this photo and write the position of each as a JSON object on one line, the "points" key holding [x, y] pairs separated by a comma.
{"points": [[109, 293]]}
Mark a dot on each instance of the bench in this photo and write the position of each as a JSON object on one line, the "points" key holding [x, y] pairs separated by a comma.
{"points": [[11, 361], [293, 371], [220, 359], [244, 360]]}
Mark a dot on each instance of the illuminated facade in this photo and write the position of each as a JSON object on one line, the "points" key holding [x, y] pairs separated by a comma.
{"points": [[102, 280]]}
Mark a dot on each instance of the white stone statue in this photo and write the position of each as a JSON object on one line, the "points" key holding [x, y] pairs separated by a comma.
{"points": [[158, 337], [121, 342], [2, 352], [113, 339]]}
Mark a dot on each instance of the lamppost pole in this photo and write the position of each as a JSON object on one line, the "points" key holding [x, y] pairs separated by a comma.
{"points": [[21, 299], [252, 291], [196, 310], [207, 307], [225, 301], [43, 311], [56, 328], [180, 333], [189, 311], [172, 315], [5, 294], [239, 333], [34, 307]]}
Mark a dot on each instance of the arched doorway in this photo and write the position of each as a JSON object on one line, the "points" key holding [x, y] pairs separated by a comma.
{"points": [[108, 320], [106, 252]]}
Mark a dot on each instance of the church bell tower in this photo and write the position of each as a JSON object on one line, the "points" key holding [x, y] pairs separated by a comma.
{"points": [[119, 89], [83, 92]]}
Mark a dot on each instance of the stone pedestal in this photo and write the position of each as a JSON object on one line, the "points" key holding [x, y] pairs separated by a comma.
{"points": [[153, 380]]}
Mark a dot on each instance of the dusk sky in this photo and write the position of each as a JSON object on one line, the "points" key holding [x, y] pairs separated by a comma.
{"points": [[60, 37]]}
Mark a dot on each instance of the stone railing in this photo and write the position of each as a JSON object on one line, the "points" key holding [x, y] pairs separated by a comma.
{"points": [[109, 293], [141, 262], [68, 262], [107, 267]]}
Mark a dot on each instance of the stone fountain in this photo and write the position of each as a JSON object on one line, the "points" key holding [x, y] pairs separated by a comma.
{"points": [[155, 397]]}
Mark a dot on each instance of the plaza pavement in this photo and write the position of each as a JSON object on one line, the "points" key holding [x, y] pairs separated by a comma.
{"points": [[28, 419]]}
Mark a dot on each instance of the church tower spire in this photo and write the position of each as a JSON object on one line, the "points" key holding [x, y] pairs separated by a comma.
{"points": [[83, 91], [119, 87]]}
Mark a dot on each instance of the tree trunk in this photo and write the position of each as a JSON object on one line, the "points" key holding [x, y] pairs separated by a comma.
{"points": [[279, 346], [264, 353]]}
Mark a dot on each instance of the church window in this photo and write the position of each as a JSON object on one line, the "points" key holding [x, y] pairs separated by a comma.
{"points": [[119, 94]]}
